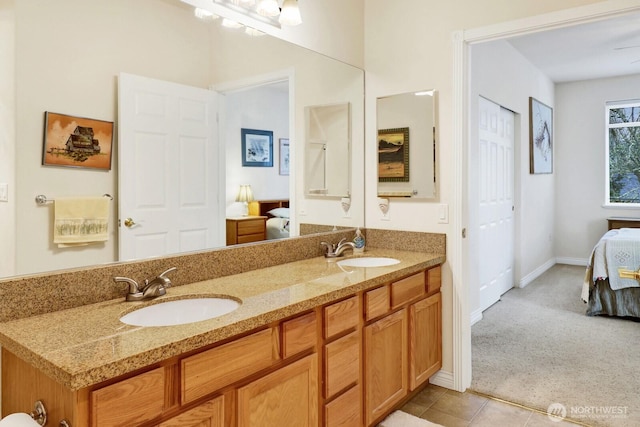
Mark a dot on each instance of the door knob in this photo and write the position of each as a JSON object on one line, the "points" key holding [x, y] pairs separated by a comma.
{"points": [[129, 222]]}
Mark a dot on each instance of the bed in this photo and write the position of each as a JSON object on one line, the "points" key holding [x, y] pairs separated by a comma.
{"points": [[612, 279], [277, 213]]}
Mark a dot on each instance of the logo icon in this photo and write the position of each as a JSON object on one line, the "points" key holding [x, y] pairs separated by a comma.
{"points": [[556, 412]]}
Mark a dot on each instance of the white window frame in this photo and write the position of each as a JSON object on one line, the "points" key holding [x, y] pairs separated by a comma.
{"points": [[608, 107]]}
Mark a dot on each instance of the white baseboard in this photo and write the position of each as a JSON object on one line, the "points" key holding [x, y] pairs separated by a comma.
{"points": [[443, 379], [572, 261], [536, 273], [476, 316]]}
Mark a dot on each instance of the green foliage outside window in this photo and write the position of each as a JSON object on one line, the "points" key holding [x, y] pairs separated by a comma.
{"points": [[624, 153]]}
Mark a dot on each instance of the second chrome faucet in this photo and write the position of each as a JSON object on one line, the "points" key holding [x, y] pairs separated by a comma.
{"points": [[336, 250], [149, 289]]}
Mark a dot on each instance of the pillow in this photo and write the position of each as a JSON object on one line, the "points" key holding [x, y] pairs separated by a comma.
{"points": [[279, 212]]}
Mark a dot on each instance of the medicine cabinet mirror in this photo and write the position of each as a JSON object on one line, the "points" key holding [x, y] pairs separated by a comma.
{"points": [[406, 139], [327, 150]]}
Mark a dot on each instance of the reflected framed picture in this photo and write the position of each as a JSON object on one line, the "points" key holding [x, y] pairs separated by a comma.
{"points": [[284, 156], [257, 147], [540, 137], [76, 141], [393, 155]]}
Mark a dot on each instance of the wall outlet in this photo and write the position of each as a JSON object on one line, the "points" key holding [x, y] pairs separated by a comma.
{"points": [[4, 192]]}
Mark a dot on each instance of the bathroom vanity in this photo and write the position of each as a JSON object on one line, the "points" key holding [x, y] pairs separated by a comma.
{"points": [[313, 343]]}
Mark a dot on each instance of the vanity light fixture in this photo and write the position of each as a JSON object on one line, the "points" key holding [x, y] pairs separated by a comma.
{"points": [[245, 195], [263, 12], [290, 13], [268, 8]]}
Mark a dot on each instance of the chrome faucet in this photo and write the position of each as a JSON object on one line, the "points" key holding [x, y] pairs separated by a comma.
{"points": [[336, 250], [150, 289]]}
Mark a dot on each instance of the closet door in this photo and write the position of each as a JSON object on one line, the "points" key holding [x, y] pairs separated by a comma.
{"points": [[496, 204]]}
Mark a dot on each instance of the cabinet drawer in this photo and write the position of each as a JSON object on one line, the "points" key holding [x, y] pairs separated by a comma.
{"points": [[129, 402], [299, 334], [407, 289], [213, 369], [250, 238], [376, 302], [250, 226], [345, 410], [209, 414], [434, 279], [340, 317], [342, 364]]}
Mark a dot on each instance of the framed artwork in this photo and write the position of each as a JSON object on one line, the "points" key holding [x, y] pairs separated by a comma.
{"points": [[76, 141], [257, 147], [393, 155], [284, 156], [540, 137]]}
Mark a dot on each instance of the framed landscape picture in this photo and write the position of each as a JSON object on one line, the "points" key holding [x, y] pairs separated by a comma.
{"points": [[393, 155], [76, 141], [257, 147]]}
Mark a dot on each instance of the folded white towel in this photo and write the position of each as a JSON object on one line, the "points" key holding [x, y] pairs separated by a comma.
{"points": [[80, 221]]}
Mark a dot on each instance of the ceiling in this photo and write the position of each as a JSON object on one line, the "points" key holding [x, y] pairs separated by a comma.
{"points": [[605, 48]]}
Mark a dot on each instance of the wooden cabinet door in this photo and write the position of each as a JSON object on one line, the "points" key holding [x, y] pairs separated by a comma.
{"points": [[386, 374], [208, 414], [287, 397], [425, 338], [129, 402]]}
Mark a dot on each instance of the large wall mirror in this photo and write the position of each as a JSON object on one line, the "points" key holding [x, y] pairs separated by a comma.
{"points": [[68, 55], [406, 126]]}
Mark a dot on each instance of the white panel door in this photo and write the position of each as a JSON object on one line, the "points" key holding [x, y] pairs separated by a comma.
{"points": [[495, 196], [168, 168]]}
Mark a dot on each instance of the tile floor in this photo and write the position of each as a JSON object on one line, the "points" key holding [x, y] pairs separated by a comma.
{"points": [[453, 409]]}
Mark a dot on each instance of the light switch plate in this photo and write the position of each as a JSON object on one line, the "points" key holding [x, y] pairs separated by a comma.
{"points": [[443, 214], [4, 192]]}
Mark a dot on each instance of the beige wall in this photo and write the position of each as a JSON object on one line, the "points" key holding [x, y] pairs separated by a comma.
{"points": [[7, 132], [408, 46], [580, 129]]}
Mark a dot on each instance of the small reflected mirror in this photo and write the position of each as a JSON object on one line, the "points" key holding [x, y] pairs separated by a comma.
{"points": [[407, 145], [328, 150]]}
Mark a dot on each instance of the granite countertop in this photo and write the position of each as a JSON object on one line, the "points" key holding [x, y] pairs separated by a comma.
{"points": [[85, 345]]}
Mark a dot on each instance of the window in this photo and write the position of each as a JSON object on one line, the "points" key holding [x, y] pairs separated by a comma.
{"points": [[623, 153]]}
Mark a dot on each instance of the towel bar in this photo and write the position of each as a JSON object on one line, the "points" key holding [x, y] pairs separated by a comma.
{"points": [[41, 199]]}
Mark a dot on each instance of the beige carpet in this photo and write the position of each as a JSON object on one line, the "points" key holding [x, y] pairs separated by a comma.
{"points": [[402, 419], [536, 347]]}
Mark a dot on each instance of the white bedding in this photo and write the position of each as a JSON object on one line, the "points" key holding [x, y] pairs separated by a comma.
{"points": [[616, 249], [277, 228]]}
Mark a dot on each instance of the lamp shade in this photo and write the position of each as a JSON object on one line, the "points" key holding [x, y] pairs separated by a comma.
{"points": [[290, 14], [244, 194]]}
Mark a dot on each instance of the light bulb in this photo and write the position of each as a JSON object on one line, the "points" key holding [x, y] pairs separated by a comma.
{"points": [[268, 8]]}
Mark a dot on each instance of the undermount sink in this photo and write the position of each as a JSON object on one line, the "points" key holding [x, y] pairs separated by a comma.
{"points": [[368, 262], [180, 312]]}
